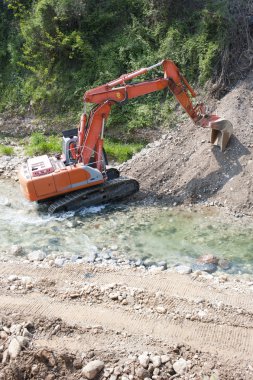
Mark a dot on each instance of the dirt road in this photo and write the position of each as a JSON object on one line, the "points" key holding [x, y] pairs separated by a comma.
{"points": [[128, 311]]}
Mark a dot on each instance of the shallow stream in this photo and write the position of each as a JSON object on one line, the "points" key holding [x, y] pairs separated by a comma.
{"points": [[145, 232]]}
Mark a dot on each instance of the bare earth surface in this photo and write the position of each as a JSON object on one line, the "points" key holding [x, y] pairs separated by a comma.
{"points": [[183, 167], [87, 312], [138, 324]]}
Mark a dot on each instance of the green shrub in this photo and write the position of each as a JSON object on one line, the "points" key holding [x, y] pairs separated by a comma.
{"points": [[52, 51], [41, 144], [6, 150]]}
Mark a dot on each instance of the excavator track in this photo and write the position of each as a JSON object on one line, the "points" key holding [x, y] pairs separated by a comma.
{"points": [[112, 190]]}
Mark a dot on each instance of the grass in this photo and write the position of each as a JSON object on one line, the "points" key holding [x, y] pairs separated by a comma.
{"points": [[121, 152], [41, 144], [6, 150]]}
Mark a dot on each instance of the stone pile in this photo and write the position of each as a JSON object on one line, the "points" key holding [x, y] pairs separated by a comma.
{"points": [[13, 339]]}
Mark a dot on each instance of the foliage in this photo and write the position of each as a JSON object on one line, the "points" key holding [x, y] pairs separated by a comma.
{"points": [[52, 51], [41, 144], [6, 150]]}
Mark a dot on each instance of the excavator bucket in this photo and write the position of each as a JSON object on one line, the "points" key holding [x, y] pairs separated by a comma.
{"points": [[221, 131]]}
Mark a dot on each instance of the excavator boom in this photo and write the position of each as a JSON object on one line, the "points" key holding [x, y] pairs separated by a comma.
{"points": [[118, 91]]}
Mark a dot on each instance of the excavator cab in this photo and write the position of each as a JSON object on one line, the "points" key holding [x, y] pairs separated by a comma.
{"points": [[69, 141]]}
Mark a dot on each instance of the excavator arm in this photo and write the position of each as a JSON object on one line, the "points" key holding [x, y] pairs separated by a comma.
{"points": [[119, 91]]}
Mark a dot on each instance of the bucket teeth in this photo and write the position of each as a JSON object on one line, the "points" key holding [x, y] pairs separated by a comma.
{"points": [[221, 132]]}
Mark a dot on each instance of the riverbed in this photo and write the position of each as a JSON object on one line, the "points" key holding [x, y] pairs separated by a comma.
{"points": [[140, 232]]}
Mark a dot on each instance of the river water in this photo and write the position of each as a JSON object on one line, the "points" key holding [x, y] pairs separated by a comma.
{"points": [[145, 232]]}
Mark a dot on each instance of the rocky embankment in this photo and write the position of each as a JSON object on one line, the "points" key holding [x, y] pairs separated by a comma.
{"points": [[183, 168]]}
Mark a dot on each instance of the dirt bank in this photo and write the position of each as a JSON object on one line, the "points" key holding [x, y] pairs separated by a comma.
{"points": [[160, 325], [182, 167]]}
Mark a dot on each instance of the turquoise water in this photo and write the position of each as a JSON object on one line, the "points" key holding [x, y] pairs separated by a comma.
{"points": [[145, 232]]}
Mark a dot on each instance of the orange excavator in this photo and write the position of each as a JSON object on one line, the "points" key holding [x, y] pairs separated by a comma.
{"points": [[80, 176]]}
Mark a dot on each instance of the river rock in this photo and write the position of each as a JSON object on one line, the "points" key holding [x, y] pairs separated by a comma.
{"points": [[92, 369], [144, 360], [161, 310], [142, 373], [59, 262], [162, 264], [113, 377], [149, 263], [91, 258], [3, 335], [156, 360], [165, 359], [12, 278], [16, 250], [16, 345], [208, 259], [36, 255], [224, 264], [5, 357], [138, 262], [180, 366], [114, 296], [208, 267], [15, 329], [183, 269]]}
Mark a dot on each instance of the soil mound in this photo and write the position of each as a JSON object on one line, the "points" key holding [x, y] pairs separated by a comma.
{"points": [[183, 167]]}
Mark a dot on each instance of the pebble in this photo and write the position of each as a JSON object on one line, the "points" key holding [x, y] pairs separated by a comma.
{"points": [[142, 373], [161, 310], [144, 360], [114, 296], [162, 264], [224, 264], [156, 360], [91, 258], [92, 369], [208, 267], [113, 377], [12, 278], [36, 255], [138, 263], [59, 262], [208, 259], [16, 250], [15, 329], [183, 269], [3, 335], [180, 366], [27, 334], [26, 280], [6, 356], [164, 359], [16, 345]]}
